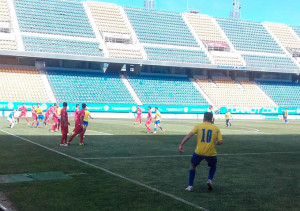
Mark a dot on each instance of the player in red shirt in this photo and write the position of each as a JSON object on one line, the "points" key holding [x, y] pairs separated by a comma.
{"points": [[79, 125], [64, 125], [34, 116], [138, 115], [76, 112], [54, 118], [149, 119], [47, 116], [23, 110]]}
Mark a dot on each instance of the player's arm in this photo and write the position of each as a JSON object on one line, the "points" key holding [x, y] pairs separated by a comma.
{"points": [[220, 139], [81, 120], [90, 116], [184, 140]]}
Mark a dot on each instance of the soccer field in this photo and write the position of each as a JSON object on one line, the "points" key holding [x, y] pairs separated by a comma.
{"points": [[121, 167]]}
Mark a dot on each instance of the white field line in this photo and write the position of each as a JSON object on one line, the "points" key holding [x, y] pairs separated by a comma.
{"points": [[3, 208], [110, 172], [172, 156]]}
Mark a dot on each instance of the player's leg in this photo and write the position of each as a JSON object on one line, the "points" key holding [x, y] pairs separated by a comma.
{"points": [[212, 163], [81, 138], [195, 161], [58, 124], [10, 121], [13, 121], [230, 122], [140, 119], [158, 124], [155, 125], [72, 136]]}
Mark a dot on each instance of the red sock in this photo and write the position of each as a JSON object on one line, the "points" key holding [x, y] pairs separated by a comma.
{"points": [[81, 138], [27, 120], [18, 120], [53, 127], [148, 128], [48, 121]]}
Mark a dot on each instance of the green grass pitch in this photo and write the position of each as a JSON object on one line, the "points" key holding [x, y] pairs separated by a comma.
{"points": [[258, 167]]}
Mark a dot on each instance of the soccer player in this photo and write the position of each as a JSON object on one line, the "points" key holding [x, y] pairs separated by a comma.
{"points": [[228, 118], [11, 118], [157, 121], [149, 119], [64, 125], [285, 115], [138, 115], [39, 113], [76, 112], [23, 110], [87, 114], [54, 119], [47, 116], [34, 116], [208, 135], [58, 116], [79, 125]]}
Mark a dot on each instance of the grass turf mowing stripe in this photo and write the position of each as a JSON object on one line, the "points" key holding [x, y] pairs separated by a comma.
{"points": [[172, 156], [110, 172]]}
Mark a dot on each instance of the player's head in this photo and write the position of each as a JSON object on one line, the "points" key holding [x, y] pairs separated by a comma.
{"points": [[227, 110], [149, 107], [83, 105], [23, 104], [285, 108], [38, 105], [86, 107], [55, 104], [65, 105], [138, 106], [156, 108], [210, 106], [77, 105], [14, 110], [33, 106], [208, 116]]}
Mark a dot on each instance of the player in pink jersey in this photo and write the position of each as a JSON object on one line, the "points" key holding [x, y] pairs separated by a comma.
{"points": [[149, 119], [79, 125], [47, 116], [76, 112], [54, 118], [34, 116], [23, 110], [138, 115]]}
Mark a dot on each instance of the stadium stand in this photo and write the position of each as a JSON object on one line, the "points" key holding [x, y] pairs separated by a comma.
{"points": [[90, 87], [226, 92], [249, 36], [285, 94], [4, 11], [53, 17], [21, 85], [160, 27], [62, 46], [166, 90], [176, 55], [284, 35], [208, 33], [108, 18], [297, 30], [269, 61], [123, 51], [7, 38], [226, 58], [112, 26]]}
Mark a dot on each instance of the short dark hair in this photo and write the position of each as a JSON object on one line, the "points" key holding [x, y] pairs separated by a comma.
{"points": [[83, 105], [156, 107], [77, 105], [65, 104], [208, 116], [149, 107], [55, 104]]}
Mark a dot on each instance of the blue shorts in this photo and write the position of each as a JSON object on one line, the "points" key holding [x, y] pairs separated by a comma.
{"points": [[85, 123], [211, 160], [40, 117], [59, 119], [227, 120], [157, 122]]}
